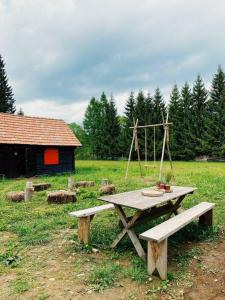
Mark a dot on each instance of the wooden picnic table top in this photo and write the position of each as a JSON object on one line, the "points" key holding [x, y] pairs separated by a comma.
{"points": [[135, 199]]}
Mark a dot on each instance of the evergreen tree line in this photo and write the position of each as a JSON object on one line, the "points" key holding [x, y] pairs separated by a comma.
{"points": [[197, 114]]}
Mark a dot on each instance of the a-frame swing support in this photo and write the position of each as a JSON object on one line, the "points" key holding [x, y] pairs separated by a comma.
{"points": [[165, 144]]}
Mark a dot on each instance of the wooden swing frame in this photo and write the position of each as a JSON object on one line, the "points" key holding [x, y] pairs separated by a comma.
{"points": [[135, 128]]}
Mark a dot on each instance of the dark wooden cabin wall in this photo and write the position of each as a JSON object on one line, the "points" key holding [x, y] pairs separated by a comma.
{"points": [[66, 162], [29, 163]]}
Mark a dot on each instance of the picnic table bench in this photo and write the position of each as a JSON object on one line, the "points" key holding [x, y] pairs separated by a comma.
{"points": [[85, 217], [158, 235], [147, 208]]}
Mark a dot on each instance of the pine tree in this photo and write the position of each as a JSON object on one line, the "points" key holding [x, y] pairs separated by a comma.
{"points": [[123, 143], [216, 115], [148, 121], [199, 95], [92, 126], [103, 128], [6, 94], [159, 109], [130, 118], [140, 110], [175, 116], [188, 142], [112, 128]]}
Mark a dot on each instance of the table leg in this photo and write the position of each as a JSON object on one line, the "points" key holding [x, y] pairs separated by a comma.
{"points": [[132, 235], [119, 237], [175, 207]]}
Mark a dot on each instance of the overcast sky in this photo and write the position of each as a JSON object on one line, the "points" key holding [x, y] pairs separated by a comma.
{"points": [[60, 53]]}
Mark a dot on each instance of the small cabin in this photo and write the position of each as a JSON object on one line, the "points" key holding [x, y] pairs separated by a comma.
{"points": [[35, 146]]}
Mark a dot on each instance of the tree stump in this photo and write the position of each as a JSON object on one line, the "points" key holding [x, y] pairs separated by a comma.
{"points": [[29, 190], [15, 196], [107, 189], [61, 197], [84, 183], [41, 186]]}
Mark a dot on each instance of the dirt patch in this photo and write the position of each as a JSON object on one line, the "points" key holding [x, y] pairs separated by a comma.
{"points": [[54, 272], [208, 273]]}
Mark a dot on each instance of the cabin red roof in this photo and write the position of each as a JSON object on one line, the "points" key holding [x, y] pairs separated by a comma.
{"points": [[25, 130]]}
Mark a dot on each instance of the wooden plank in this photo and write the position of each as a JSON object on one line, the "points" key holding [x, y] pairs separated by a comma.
{"points": [[157, 258], [91, 211], [136, 243], [119, 237], [153, 125], [84, 229], [164, 230], [135, 199]]}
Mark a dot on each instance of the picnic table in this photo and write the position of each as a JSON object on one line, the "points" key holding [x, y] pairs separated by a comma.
{"points": [[147, 208]]}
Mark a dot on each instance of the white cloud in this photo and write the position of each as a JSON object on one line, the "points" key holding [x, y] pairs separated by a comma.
{"points": [[45, 108]]}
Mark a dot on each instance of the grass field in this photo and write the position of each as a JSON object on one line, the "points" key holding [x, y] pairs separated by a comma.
{"points": [[27, 228]]}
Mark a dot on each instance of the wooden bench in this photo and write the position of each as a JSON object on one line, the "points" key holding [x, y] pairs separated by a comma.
{"points": [[85, 217], [158, 235]]}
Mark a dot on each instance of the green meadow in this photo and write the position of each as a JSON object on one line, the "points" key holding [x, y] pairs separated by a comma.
{"points": [[28, 226]]}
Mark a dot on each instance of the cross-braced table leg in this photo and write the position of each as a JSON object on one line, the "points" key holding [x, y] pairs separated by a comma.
{"points": [[126, 230], [175, 207]]}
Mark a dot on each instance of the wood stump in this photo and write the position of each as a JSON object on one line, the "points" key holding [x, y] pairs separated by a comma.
{"points": [[107, 189], [61, 197], [41, 186], [84, 183], [15, 196]]}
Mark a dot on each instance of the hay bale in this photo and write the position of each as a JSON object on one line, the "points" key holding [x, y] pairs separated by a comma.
{"points": [[41, 186], [15, 196], [61, 197], [108, 189], [84, 183]]}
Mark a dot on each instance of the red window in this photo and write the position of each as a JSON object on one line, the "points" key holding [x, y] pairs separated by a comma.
{"points": [[51, 157]]}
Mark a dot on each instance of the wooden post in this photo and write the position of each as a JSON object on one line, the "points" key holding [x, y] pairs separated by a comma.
{"points": [[138, 150], [29, 190], [104, 182], [163, 148], [146, 153], [84, 229], [71, 183], [131, 147], [157, 258], [154, 150]]}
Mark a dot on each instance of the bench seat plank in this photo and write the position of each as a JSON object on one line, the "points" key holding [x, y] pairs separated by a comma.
{"points": [[167, 228], [90, 211]]}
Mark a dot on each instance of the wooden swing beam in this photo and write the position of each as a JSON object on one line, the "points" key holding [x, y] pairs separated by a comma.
{"points": [[152, 125]]}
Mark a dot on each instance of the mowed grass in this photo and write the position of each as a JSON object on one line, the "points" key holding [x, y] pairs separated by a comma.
{"points": [[36, 223]]}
